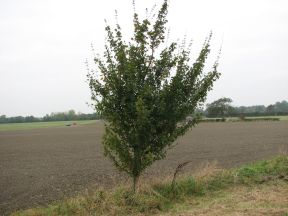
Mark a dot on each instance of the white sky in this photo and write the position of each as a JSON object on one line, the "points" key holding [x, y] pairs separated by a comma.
{"points": [[44, 44]]}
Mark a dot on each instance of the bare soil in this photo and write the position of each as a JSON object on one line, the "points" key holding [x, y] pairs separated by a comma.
{"points": [[40, 166]]}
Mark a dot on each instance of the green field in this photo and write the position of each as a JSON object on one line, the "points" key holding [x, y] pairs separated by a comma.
{"points": [[282, 118], [34, 125]]}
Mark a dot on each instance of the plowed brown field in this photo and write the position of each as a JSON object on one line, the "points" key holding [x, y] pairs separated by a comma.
{"points": [[42, 165]]}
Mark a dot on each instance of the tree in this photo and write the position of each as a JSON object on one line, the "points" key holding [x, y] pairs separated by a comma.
{"points": [[71, 115], [270, 109], [281, 107], [3, 119], [219, 108], [143, 104]]}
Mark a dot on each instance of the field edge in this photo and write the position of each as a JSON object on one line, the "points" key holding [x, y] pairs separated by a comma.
{"points": [[193, 195]]}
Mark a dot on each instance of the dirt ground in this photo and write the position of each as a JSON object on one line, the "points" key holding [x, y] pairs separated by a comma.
{"points": [[40, 166]]}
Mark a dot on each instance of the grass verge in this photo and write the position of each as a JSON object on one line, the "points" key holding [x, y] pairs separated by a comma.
{"points": [[252, 189]]}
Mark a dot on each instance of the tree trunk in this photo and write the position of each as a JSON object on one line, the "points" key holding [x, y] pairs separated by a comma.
{"points": [[135, 183]]}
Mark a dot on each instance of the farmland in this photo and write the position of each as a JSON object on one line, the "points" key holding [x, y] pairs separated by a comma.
{"points": [[39, 166]]}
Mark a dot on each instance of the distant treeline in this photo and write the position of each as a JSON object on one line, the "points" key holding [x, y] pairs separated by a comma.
{"points": [[279, 108], [71, 115], [223, 108], [219, 108]]}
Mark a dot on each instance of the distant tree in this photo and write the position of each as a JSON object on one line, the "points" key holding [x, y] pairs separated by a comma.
{"points": [[31, 119], [3, 119], [17, 119], [46, 118], [281, 107], [71, 115], [270, 109], [143, 105], [219, 108]]}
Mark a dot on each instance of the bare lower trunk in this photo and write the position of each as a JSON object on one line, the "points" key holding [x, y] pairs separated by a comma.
{"points": [[135, 183]]}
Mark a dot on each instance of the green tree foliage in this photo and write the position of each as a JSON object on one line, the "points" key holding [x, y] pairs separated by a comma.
{"points": [[145, 91], [219, 108]]}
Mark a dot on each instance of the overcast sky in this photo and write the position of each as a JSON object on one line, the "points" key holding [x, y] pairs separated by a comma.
{"points": [[44, 44]]}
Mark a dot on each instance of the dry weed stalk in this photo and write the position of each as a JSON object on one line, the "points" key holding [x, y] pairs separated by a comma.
{"points": [[177, 170]]}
